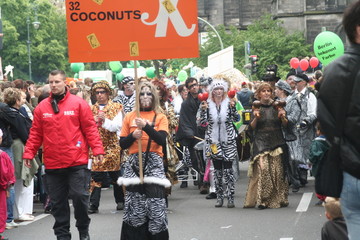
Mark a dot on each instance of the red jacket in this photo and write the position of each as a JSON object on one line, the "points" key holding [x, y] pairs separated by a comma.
{"points": [[65, 136], [7, 171]]}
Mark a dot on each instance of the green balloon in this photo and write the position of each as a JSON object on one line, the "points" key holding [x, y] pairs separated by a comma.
{"points": [[119, 76], [131, 64], [128, 65], [82, 66], [76, 75], [182, 75], [150, 72], [76, 67], [115, 66], [327, 47]]}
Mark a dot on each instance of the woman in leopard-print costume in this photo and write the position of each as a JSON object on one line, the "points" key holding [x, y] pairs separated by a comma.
{"points": [[268, 186]]}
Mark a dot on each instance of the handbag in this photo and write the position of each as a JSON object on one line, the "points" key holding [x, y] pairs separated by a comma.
{"points": [[329, 180]]}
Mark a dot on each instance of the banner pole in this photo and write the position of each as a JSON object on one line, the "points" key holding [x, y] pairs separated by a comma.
{"points": [[137, 106]]}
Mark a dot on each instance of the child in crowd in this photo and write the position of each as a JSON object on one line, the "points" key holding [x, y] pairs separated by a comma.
{"points": [[7, 178], [318, 151], [335, 228]]}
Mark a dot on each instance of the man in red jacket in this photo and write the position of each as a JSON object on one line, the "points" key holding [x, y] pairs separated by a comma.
{"points": [[64, 125]]}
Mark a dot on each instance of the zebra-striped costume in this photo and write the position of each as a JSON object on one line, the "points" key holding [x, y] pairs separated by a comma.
{"points": [[221, 143], [145, 206], [127, 102]]}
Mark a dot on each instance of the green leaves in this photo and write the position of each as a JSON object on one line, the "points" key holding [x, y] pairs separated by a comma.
{"points": [[48, 43]]}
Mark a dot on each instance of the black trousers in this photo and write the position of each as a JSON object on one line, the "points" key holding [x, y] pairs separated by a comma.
{"points": [[100, 177], [68, 183], [190, 143]]}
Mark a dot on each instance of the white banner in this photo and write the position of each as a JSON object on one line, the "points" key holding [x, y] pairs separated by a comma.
{"points": [[221, 61]]}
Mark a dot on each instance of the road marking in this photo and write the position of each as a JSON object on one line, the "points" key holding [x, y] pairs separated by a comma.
{"points": [[227, 226], [41, 216], [286, 238], [304, 202]]}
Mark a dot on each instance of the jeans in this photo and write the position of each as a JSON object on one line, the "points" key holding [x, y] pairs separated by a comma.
{"points": [[67, 183], [10, 201], [350, 205]]}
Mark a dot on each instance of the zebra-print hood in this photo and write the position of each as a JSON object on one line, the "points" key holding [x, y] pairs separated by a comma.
{"points": [[218, 83]]}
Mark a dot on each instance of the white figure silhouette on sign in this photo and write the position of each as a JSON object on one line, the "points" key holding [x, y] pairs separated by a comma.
{"points": [[162, 20]]}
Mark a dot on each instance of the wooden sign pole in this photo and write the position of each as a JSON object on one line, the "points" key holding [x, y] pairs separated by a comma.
{"points": [[137, 106]]}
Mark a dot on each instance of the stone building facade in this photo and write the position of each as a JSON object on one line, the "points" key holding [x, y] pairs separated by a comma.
{"points": [[308, 16]]}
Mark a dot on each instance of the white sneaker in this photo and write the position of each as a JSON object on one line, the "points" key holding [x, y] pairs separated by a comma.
{"points": [[26, 217], [11, 225]]}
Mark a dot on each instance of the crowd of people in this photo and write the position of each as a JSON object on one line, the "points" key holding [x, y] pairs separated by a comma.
{"points": [[140, 140]]}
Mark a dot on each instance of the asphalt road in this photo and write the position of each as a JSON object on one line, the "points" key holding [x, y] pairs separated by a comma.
{"points": [[192, 217]]}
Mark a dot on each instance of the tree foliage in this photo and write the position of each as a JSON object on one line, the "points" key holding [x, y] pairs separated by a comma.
{"points": [[269, 41], [48, 43]]}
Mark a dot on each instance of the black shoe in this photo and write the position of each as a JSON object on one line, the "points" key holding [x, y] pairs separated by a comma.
{"points": [[219, 203], [120, 206], [295, 189], [319, 203], [84, 236], [92, 210], [211, 195], [47, 209], [64, 238], [184, 185], [262, 207]]}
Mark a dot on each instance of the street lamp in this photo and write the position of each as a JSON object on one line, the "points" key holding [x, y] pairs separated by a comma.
{"points": [[216, 32], [36, 25]]}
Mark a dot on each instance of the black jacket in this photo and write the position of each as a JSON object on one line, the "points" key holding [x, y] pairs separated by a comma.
{"points": [[245, 96], [337, 75], [334, 230], [187, 122], [5, 125], [20, 125]]}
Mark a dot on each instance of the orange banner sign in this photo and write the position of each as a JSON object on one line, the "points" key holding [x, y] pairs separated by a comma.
{"points": [[108, 30]]}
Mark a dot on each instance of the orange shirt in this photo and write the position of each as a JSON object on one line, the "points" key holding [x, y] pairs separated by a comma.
{"points": [[161, 124]]}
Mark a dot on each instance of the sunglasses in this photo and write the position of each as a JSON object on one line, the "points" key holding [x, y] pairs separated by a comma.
{"points": [[100, 92], [145, 93]]}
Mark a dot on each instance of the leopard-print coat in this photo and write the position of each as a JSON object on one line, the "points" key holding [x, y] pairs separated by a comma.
{"points": [[110, 140]]}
